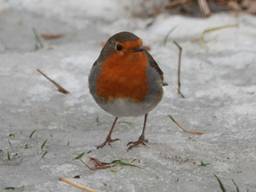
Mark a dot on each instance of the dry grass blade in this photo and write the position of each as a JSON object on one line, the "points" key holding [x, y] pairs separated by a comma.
{"points": [[165, 40], [124, 163], [213, 29], [10, 188], [44, 154], [79, 156], [204, 7], [39, 44], [49, 36], [204, 164], [11, 135], [59, 87], [179, 70], [76, 185], [237, 188], [8, 156], [13, 189], [44, 144], [185, 130], [176, 3], [32, 133], [220, 184]]}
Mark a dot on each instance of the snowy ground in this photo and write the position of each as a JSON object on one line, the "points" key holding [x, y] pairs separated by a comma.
{"points": [[218, 81]]}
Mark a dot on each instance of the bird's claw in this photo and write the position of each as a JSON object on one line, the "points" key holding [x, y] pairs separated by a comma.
{"points": [[140, 141], [108, 141]]}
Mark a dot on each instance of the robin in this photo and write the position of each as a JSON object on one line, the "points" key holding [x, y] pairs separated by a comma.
{"points": [[125, 80]]}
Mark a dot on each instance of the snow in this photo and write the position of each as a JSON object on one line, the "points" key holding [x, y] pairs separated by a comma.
{"points": [[107, 9], [218, 82]]}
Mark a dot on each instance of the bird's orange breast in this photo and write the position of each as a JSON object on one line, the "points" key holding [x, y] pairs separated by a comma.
{"points": [[123, 76]]}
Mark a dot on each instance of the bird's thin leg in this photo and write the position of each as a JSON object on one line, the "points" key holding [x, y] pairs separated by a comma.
{"points": [[109, 140], [141, 139]]}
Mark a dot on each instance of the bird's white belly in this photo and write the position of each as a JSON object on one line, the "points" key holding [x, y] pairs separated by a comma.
{"points": [[125, 107]]}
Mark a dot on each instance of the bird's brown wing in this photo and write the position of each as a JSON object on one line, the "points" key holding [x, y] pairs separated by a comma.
{"points": [[154, 64]]}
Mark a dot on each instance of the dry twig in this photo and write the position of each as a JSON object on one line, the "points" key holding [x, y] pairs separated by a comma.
{"points": [[59, 87], [183, 129], [179, 69], [76, 185], [49, 36], [220, 184]]}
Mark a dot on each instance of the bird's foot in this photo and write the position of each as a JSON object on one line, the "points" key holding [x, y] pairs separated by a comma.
{"points": [[140, 141], [108, 141]]}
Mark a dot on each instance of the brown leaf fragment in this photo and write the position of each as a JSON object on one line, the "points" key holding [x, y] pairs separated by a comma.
{"points": [[95, 164]]}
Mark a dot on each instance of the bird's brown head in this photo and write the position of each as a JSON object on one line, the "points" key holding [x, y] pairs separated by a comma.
{"points": [[122, 43]]}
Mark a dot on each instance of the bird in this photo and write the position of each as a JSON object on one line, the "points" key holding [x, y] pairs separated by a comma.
{"points": [[126, 81]]}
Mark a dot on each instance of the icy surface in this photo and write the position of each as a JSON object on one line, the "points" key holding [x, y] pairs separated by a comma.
{"points": [[218, 81]]}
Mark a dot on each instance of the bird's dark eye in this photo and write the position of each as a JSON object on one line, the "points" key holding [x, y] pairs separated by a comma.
{"points": [[119, 47]]}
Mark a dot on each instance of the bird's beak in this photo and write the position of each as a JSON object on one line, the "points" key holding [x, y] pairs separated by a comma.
{"points": [[138, 49]]}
